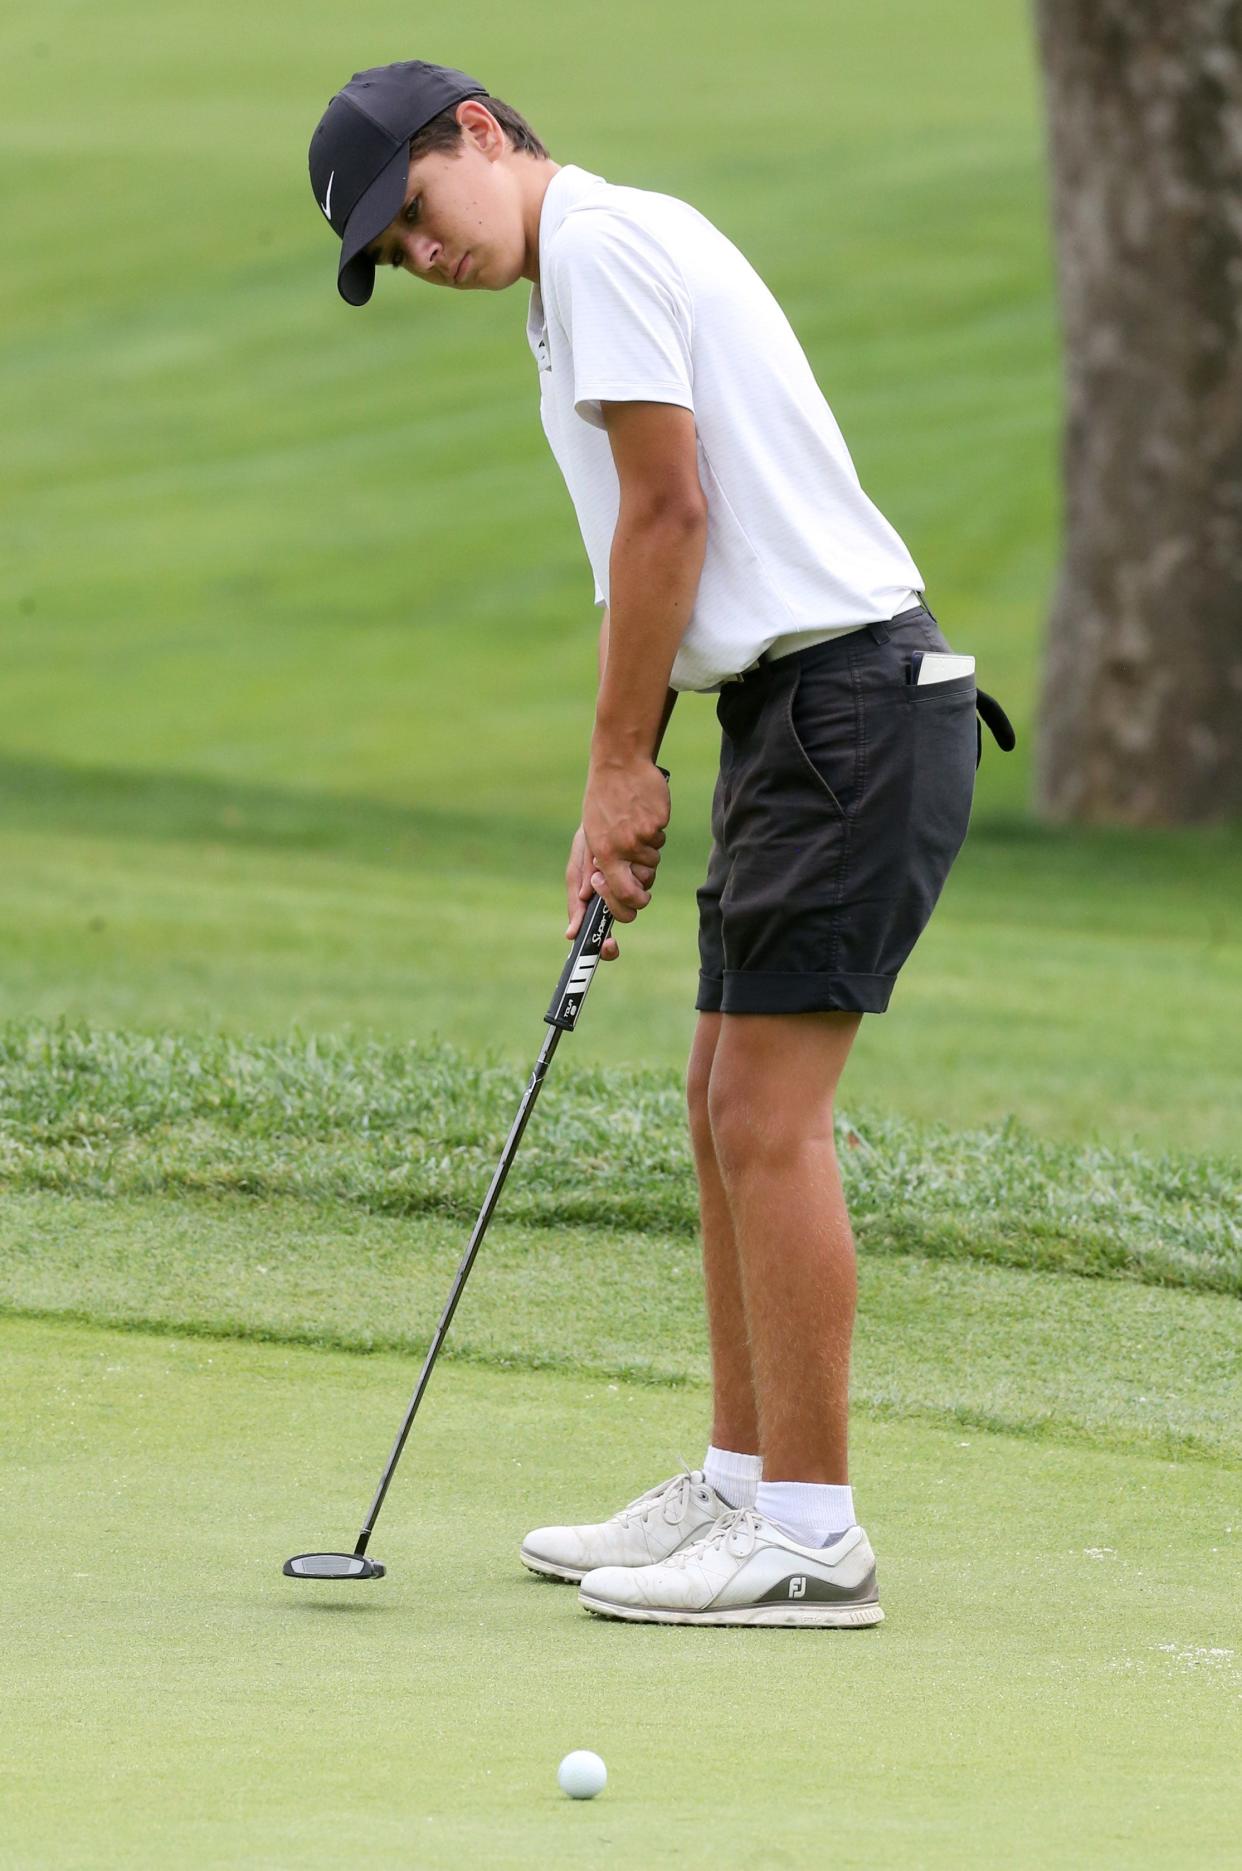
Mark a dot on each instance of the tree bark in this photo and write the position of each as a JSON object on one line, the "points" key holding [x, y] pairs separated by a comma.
{"points": [[1142, 688]]}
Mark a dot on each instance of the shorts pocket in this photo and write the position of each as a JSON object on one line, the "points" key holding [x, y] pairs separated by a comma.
{"points": [[943, 760], [920, 692], [825, 732], [910, 825]]}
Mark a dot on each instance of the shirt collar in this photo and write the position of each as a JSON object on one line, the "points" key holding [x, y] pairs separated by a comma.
{"points": [[568, 187], [564, 191]]}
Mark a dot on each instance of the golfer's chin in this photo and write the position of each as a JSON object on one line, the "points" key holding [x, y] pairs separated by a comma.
{"points": [[494, 273], [491, 273]]}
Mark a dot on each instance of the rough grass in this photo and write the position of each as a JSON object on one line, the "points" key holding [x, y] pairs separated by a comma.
{"points": [[417, 1130]]}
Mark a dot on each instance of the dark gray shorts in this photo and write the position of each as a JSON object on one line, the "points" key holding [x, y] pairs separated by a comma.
{"points": [[843, 798]]}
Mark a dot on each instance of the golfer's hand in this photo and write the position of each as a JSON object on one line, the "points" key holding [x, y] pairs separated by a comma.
{"points": [[579, 891], [624, 812]]}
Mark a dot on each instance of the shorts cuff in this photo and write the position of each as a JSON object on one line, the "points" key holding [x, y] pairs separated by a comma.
{"points": [[710, 989], [746, 990]]}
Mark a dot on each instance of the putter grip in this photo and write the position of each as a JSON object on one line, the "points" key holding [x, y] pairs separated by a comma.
{"points": [[579, 970]]}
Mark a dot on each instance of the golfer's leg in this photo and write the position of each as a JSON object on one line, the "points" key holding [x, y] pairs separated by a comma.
{"points": [[735, 1424], [770, 1100]]}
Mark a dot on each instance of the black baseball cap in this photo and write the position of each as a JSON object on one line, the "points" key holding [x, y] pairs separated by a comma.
{"points": [[359, 154]]}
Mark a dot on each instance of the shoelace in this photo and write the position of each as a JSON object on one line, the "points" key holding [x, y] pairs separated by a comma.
{"points": [[742, 1523], [664, 1496]]}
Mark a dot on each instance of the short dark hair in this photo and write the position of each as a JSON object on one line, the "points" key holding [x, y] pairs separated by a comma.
{"points": [[444, 133]]}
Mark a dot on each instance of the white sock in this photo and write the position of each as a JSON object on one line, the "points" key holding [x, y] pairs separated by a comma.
{"points": [[734, 1477], [811, 1514]]}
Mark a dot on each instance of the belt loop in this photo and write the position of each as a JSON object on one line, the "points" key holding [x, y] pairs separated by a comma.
{"points": [[878, 632]]}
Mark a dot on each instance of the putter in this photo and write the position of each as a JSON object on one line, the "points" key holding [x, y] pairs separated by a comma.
{"points": [[562, 1017]]}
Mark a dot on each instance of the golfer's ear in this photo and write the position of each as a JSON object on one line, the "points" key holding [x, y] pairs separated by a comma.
{"points": [[655, 448]]}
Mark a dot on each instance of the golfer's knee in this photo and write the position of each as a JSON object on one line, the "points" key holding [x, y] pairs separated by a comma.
{"points": [[699, 1076], [761, 1124], [696, 1105], [733, 1119]]}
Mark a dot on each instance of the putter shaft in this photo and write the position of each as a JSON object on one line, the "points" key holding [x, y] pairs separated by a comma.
{"points": [[485, 1214], [561, 1017]]}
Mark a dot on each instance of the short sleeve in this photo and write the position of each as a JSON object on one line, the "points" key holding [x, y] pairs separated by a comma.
{"points": [[626, 311], [599, 596]]}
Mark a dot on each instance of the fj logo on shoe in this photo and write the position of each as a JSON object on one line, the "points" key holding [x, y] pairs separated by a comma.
{"points": [[797, 1588]]}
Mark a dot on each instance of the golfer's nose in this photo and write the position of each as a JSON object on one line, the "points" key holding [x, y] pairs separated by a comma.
{"points": [[425, 256]]}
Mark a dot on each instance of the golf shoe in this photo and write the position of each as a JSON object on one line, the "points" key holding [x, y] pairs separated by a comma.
{"points": [[744, 1570], [650, 1528]]}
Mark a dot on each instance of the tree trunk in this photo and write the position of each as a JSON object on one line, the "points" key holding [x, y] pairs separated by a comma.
{"points": [[1143, 675]]}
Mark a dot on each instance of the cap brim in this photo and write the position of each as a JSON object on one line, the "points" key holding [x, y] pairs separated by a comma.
{"points": [[373, 210]]}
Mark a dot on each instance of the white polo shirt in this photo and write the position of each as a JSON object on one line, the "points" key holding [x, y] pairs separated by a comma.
{"points": [[640, 298]]}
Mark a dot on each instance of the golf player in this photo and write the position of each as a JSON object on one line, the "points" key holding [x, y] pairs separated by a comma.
{"points": [[734, 554]]}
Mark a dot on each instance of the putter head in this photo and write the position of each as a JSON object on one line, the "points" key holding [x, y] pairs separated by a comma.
{"points": [[332, 1566]]}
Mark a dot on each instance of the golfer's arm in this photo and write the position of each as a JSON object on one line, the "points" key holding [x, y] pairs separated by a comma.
{"points": [[654, 572], [670, 695]]}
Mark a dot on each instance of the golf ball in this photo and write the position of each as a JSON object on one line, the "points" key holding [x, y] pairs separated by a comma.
{"points": [[581, 1774]]}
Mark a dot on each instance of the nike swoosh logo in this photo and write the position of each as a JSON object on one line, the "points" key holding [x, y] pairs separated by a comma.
{"points": [[326, 203]]}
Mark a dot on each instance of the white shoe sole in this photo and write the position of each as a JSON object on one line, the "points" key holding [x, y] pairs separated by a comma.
{"points": [[547, 1570], [831, 1617]]}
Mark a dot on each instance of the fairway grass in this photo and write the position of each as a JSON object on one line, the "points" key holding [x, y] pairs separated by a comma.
{"points": [[1037, 1354], [1058, 1680]]}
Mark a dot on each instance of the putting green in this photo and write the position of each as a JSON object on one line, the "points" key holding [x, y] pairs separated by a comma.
{"points": [[1058, 1680]]}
